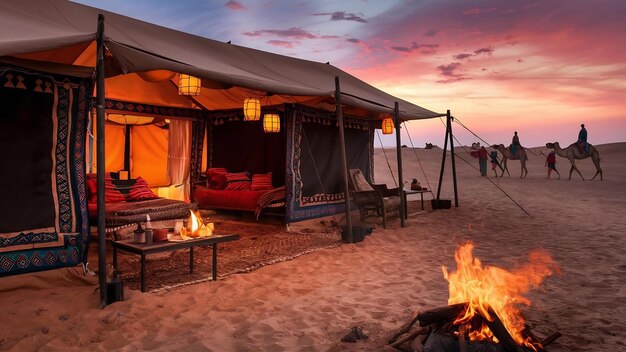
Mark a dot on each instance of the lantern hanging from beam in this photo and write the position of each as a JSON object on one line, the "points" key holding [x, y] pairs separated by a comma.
{"points": [[387, 125], [271, 123], [251, 109], [188, 85]]}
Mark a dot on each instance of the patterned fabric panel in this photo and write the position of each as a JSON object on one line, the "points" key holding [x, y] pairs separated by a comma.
{"points": [[261, 182], [238, 181]]}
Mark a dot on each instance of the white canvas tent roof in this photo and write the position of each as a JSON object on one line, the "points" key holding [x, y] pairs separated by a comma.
{"points": [[58, 31]]}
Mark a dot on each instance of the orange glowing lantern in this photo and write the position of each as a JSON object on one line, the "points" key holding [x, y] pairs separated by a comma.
{"points": [[188, 85], [271, 123], [387, 125], [251, 109]]}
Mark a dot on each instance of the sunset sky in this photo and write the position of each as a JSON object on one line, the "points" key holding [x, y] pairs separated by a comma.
{"points": [[537, 67]]}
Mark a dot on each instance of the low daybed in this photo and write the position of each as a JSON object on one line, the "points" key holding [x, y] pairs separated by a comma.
{"points": [[238, 191], [127, 202]]}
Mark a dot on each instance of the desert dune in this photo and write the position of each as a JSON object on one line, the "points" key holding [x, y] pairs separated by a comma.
{"points": [[310, 302]]}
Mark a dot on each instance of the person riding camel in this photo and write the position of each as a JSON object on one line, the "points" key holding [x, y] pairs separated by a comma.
{"points": [[583, 146], [515, 144]]}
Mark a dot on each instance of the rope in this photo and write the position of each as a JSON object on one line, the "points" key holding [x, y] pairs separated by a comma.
{"points": [[430, 189], [387, 160], [489, 144], [487, 178]]}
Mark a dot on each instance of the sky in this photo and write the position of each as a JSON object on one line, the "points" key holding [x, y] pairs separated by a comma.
{"points": [[537, 67]]}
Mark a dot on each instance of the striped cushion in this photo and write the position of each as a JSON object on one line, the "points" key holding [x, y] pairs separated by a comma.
{"points": [[238, 181], [261, 182], [140, 191], [111, 193]]}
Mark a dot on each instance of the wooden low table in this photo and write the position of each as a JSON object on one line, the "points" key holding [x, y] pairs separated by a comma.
{"points": [[407, 192], [143, 249]]}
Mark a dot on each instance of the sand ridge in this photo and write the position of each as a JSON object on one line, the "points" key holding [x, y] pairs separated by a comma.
{"points": [[309, 303]]}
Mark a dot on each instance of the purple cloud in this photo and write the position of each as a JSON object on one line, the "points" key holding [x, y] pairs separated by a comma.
{"points": [[449, 73], [462, 56], [235, 5], [423, 48], [353, 40], [297, 33], [342, 16], [487, 51], [478, 11]]}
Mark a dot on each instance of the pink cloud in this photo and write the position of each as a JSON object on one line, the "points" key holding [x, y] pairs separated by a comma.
{"points": [[235, 5], [294, 32], [280, 43]]}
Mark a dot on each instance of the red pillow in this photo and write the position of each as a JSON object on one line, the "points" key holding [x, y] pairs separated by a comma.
{"points": [[261, 182], [140, 191], [111, 193], [218, 181], [238, 181], [92, 190]]}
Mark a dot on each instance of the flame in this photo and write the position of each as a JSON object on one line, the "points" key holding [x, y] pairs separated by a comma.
{"points": [[502, 290], [197, 227]]}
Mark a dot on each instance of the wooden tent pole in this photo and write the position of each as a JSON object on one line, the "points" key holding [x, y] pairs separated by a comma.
{"points": [[344, 159], [399, 155], [102, 275], [449, 122], [443, 164]]}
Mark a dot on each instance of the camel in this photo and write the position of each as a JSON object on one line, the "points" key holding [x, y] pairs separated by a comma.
{"points": [[572, 153], [506, 154]]}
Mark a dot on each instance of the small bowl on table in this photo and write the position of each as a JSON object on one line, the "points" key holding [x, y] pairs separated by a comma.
{"points": [[159, 234]]}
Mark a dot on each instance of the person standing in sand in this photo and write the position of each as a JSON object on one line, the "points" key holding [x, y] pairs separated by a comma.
{"points": [[551, 164], [494, 162]]}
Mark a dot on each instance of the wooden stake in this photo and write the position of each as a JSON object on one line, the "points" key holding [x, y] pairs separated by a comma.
{"points": [[405, 328], [410, 337], [550, 339], [441, 314], [501, 333]]}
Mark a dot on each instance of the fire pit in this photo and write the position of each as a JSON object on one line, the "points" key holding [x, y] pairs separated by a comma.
{"points": [[483, 312]]}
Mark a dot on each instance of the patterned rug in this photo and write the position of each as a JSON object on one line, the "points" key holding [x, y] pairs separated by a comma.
{"points": [[259, 245]]}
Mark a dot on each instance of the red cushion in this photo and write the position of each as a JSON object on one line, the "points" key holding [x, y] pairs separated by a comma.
{"points": [[227, 199], [261, 182], [92, 190], [238, 181], [218, 181], [140, 191], [111, 193]]}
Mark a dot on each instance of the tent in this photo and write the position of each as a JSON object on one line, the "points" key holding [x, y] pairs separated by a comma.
{"points": [[59, 43]]}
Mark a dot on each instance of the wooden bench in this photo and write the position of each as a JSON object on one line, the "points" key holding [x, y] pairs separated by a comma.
{"points": [[143, 250]]}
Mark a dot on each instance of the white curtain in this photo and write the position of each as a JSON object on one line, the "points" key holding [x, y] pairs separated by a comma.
{"points": [[178, 160]]}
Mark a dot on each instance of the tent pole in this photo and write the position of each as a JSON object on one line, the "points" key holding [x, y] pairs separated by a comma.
{"points": [[443, 164], [102, 275], [449, 122], [127, 131], [344, 159], [399, 154]]}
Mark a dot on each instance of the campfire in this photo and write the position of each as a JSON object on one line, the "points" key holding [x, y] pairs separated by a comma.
{"points": [[196, 227], [484, 309]]}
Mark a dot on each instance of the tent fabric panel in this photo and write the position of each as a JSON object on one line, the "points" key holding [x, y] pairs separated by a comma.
{"points": [[149, 151], [60, 104], [243, 146], [141, 46], [314, 174], [114, 140]]}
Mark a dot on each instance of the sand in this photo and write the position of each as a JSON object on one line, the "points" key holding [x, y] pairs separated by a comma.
{"points": [[309, 303]]}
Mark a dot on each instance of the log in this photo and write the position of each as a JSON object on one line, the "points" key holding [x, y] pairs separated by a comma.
{"points": [[410, 337], [534, 340], [501, 333], [441, 314], [550, 339], [405, 328], [418, 344]]}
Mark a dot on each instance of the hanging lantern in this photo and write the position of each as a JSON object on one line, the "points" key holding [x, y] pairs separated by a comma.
{"points": [[188, 85], [271, 123], [251, 109], [387, 125]]}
